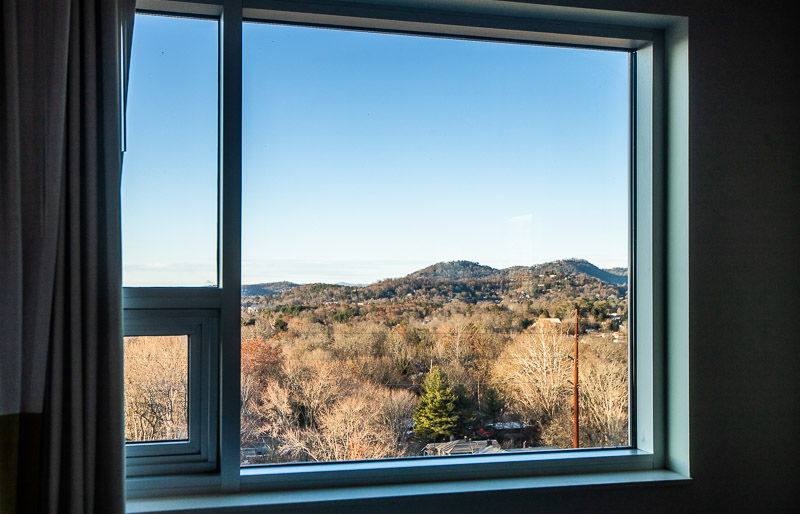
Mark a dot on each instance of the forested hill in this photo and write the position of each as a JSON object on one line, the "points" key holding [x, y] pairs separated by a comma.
{"points": [[462, 270], [456, 270], [460, 281], [618, 276]]}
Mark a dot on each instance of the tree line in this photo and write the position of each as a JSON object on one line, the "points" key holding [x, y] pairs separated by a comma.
{"points": [[356, 380], [343, 381]]}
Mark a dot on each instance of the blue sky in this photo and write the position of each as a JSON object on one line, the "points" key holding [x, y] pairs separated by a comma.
{"points": [[368, 156]]}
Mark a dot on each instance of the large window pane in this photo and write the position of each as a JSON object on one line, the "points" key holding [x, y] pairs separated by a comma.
{"points": [[169, 178], [421, 218]]}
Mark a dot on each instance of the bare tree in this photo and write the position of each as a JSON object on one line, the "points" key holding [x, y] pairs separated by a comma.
{"points": [[366, 423], [603, 378], [156, 379], [534, 372]]}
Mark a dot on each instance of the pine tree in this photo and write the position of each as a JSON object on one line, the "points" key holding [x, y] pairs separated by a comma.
{"points": [[494, 405], [464, 407], [435, 415]]}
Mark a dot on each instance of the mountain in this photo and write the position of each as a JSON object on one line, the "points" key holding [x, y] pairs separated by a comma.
{"points": [[463, 270], [460, 280], [268, 288], [454, 270], [572, 267]]}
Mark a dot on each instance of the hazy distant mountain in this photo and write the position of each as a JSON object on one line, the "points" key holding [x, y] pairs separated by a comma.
{"points": [[455, 270], [267, 288]]}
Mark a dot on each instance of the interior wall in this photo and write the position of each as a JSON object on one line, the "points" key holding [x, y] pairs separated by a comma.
{"points": [[744, 277], [745, 284]]}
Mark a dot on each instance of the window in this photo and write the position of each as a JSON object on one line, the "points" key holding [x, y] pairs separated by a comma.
{"points": [[170, 390], [169, 212], [410, 206], [156, 388], [169, 191], [210, 318]]}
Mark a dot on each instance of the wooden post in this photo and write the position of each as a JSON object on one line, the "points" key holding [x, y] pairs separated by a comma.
{"points": [[575, 382]]}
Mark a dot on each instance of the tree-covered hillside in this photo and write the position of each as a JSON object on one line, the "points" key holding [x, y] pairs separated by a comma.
{"points": [[550, 288], [335, 372]]}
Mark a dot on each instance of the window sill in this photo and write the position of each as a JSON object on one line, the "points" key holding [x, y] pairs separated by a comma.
{"points": [[416, 470], [428, 470], [263, 501]]}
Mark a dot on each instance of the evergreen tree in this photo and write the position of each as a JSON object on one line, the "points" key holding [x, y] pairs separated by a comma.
{"points": [[464, 407], [435, 415], [494, 405], [280, 325]]}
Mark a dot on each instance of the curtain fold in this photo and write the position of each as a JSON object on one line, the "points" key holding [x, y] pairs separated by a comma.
{"points": [[61, 389]]}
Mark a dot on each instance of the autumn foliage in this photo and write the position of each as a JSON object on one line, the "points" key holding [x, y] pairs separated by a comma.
{"points": [[386, 379]]}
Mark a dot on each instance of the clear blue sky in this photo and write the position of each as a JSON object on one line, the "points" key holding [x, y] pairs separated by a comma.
{"points": [[368, 156]]}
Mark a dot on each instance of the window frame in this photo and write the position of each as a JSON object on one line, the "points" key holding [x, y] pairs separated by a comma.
{"points": [[190, 445], [658, 265], [146, 315]]}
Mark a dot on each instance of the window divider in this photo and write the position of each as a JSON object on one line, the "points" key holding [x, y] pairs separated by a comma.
{"points": [[230, 238]]}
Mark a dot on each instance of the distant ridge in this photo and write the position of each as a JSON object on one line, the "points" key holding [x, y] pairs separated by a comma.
{"points": [[267, 288], [573, 267], [466, 270], [463, 270]]}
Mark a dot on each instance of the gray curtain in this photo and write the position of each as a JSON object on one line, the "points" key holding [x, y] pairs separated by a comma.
{"points": [[61, 403]]}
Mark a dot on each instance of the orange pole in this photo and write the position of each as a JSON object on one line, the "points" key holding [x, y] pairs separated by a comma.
{"points": [[575, 382]]}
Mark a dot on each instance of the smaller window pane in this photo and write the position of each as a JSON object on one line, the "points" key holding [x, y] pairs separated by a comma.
{"points": [[156, 388]]}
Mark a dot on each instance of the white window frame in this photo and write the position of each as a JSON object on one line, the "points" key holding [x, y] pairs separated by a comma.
{"points": [[198, 452], [659, 264]]}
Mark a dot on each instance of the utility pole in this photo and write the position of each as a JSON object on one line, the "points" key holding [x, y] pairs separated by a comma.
{"points": [[575, 382]]}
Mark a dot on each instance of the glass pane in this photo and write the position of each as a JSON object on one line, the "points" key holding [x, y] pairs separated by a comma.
{"points": [[156, 388], [169, 177], [421, 218]]}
